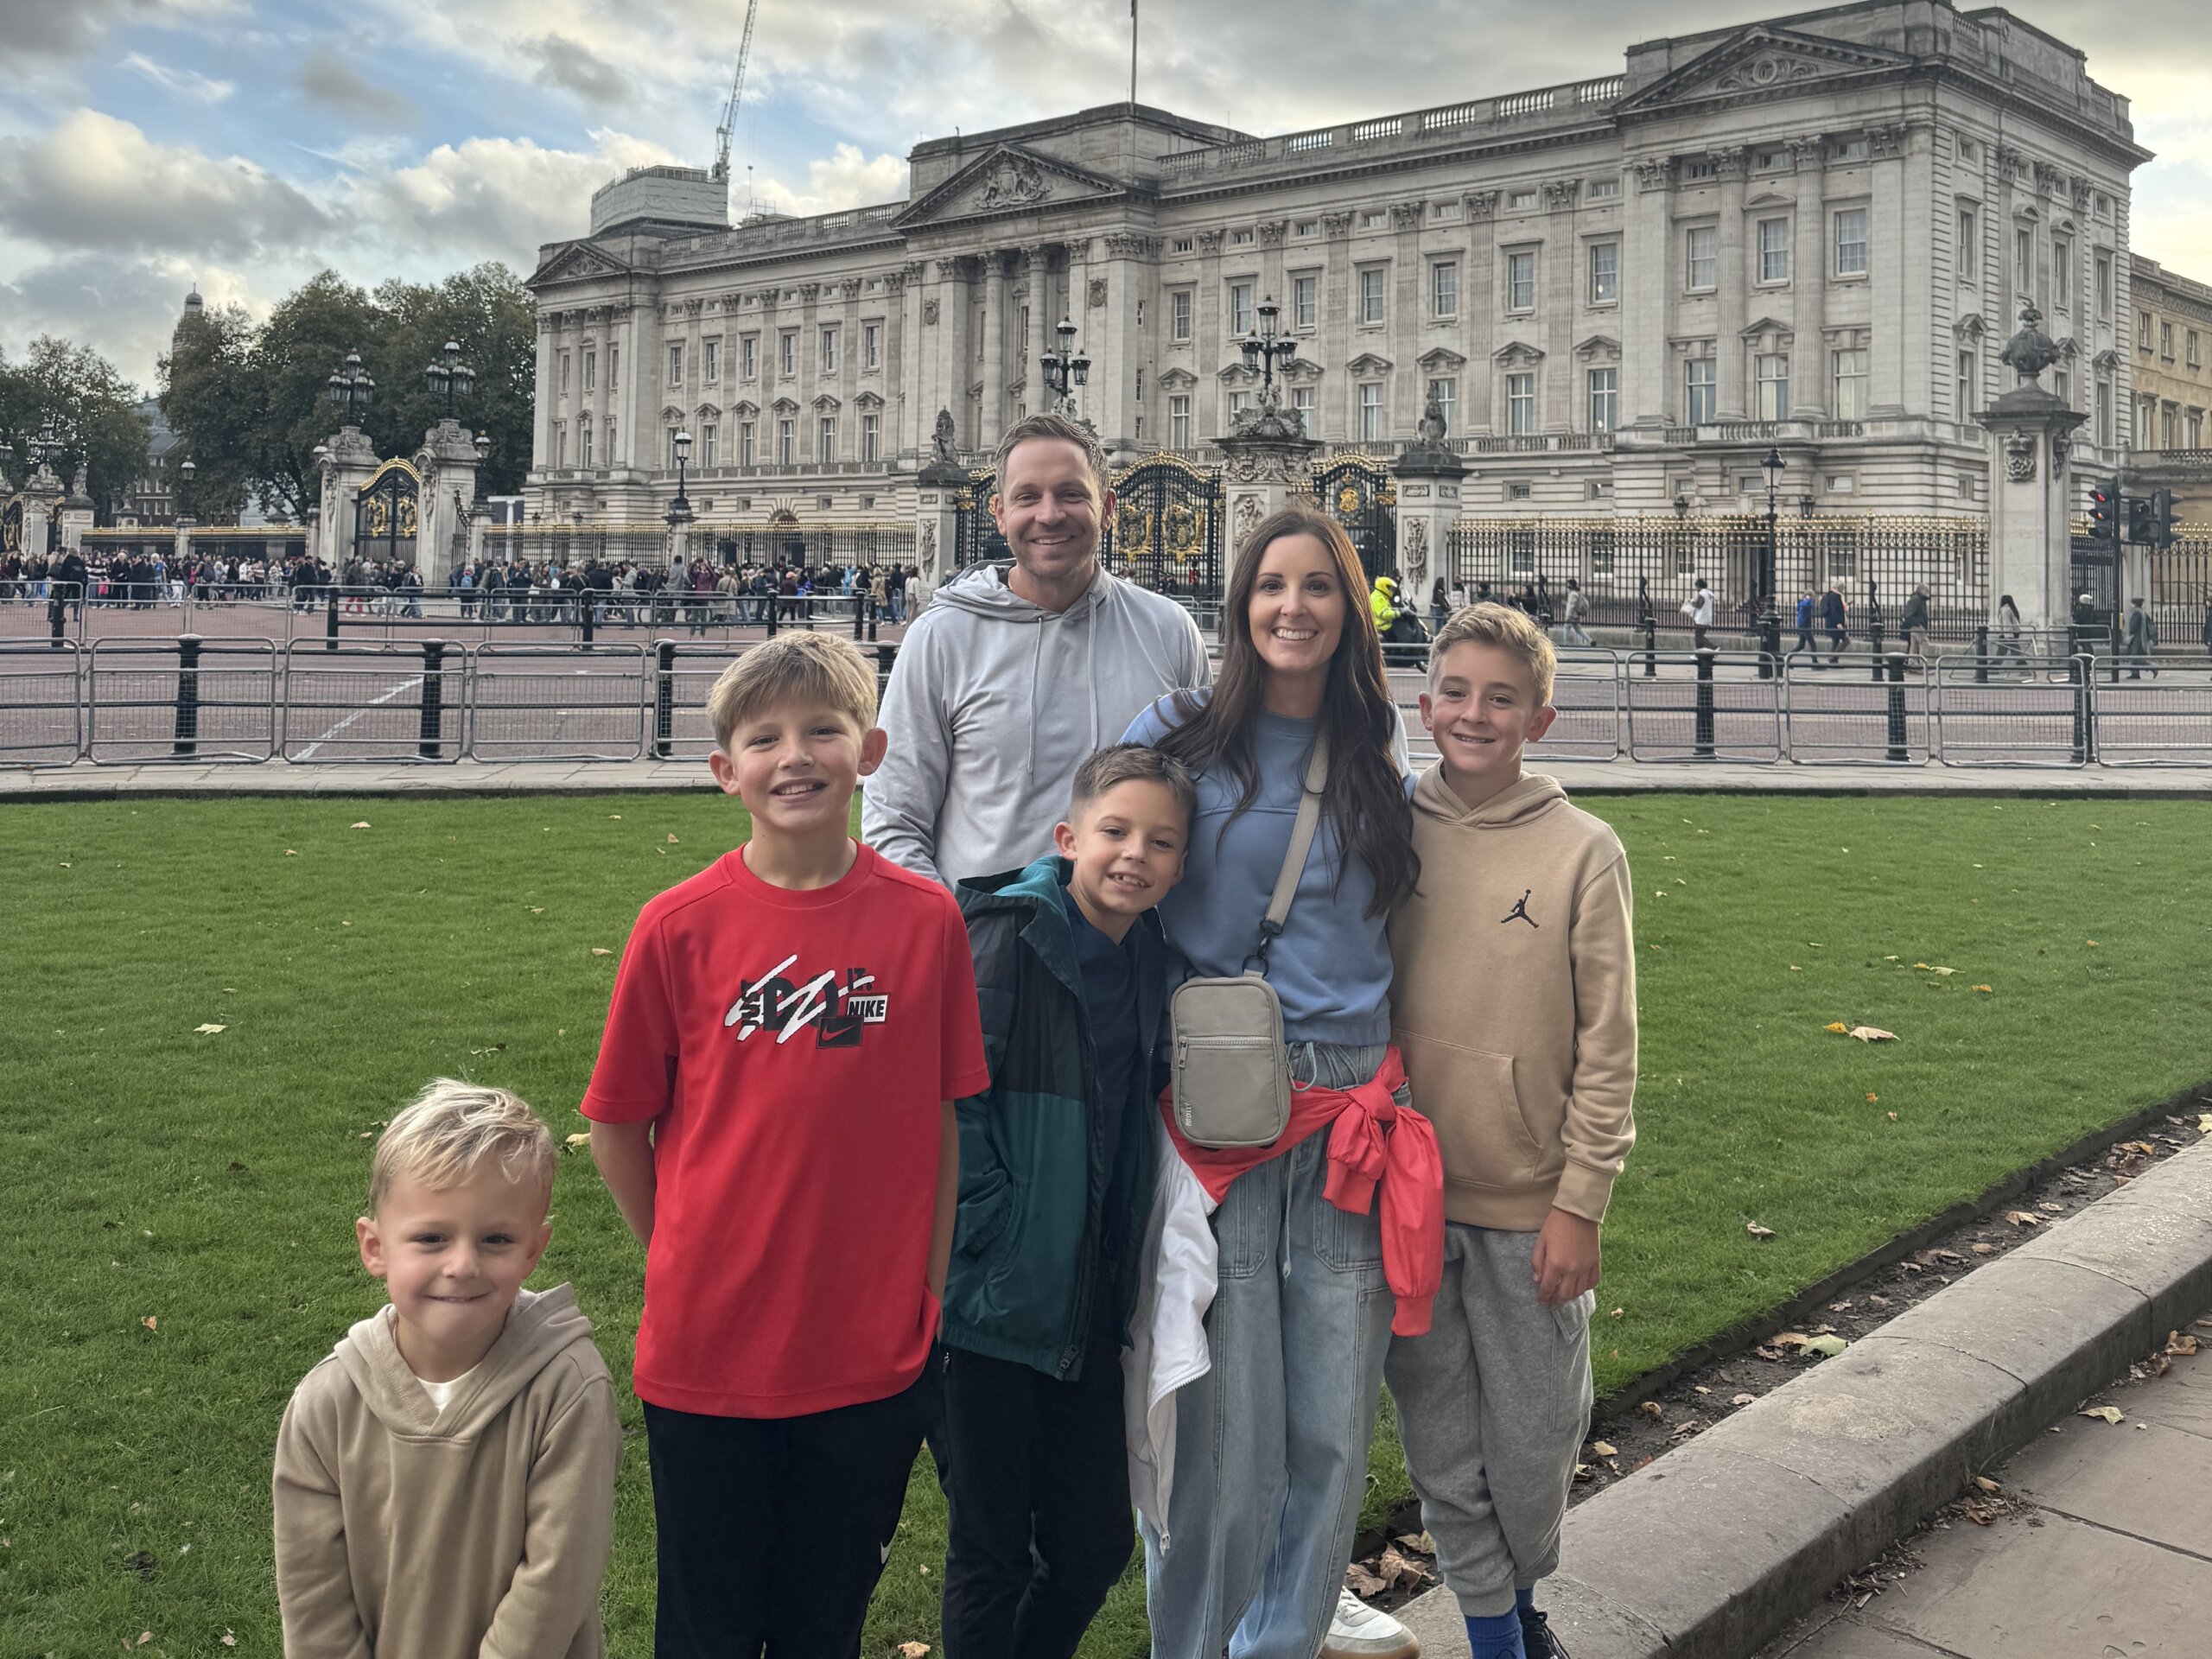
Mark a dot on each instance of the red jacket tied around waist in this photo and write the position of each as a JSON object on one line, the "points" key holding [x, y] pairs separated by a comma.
{"points": [[1375, 1150]]}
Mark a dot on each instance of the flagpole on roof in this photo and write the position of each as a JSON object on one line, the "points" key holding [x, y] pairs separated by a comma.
{"points": [[1133, 51]]}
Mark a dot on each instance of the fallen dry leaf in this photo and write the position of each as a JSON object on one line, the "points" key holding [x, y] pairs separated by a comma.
{"points": [[207, 1031], [1838, 1026], [2107, 1413], [150, 1322], [1976, 1513], [1758, 1231], [1827, 1347], [2205, 1124], [1361, 1582], [584, 1140], [1421, 1543], [1986, 1484], [228, 1640], [361, 823], [1652, 1408], [1789, 1340], [1619, 1312], [2023, 1218], [2089, 942], [1394, 1567], [1873, 1034], [288, 853], [1604, 1450], [1893, 1117], [906, 1649], [2180, 1344], [1743, 1400], [1983, 1249], [144, 1637], [1991, 988], [2049, 1208], [671, 840], [1873, 1100], [538, 910]]}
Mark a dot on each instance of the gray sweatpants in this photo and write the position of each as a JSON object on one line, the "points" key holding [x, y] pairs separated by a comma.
{"points": [[1492, 1406]]}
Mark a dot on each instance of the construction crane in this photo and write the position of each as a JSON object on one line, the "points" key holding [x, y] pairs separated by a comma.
{"points": [[736, 91]]}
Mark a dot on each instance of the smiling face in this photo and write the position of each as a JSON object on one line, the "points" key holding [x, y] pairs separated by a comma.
{"points": [[795, 764], [1126, 845], [453, 1258], [1481, 709], [1297, 609], [1049, 509]]}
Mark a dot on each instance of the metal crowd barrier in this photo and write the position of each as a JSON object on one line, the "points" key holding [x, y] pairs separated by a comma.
{"points": [[558, 702], [1589, 692], [2162, 720], [683, 674], [1836, 718], [42, 704], [2040, 717], [1713, 713], [186, 700], [382, 703]]}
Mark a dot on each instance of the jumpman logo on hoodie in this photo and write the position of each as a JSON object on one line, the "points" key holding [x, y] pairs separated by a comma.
{"points": [[1520, 909]]}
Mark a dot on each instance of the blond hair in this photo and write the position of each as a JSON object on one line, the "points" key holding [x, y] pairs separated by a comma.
{"points": [[818, 669], [1511, 631], [445, 1133]]}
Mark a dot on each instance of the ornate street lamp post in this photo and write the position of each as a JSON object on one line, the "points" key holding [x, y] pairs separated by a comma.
{"points": [[187, 471], [1263, 348], [1769, 620], [1065, 369], [679, 510], [351, 389], [450, 378]]}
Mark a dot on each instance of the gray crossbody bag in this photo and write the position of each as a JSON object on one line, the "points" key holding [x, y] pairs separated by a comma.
{"points": [[1231, 1075]]}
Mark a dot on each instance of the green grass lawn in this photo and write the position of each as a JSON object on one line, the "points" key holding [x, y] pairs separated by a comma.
{"points": [[177, 1220]]}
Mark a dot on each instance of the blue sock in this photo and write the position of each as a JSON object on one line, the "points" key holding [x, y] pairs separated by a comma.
{"points": [[1524, 1602], [1496, 1638]]}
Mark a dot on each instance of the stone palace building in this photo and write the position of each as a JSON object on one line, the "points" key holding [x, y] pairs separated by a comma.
{"points": [[1815, 234]]}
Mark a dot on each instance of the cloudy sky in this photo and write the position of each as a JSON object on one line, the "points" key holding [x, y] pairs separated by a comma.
{"points": [[146, 145]]}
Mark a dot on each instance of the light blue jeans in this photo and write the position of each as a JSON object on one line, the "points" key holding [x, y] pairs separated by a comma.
{"points": [[1271, 1444]]}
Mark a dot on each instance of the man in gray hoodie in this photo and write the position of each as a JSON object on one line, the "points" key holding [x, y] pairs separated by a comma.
{"points": [[1016, 672]]}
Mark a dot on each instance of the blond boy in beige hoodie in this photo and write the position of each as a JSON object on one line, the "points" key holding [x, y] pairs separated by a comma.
{"points": [[445, 1478], [1514, 1003]]}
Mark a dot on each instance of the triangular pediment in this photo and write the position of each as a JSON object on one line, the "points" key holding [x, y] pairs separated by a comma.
{"points": [[1761, 62], [1369, 363], [1970, 326], [1440, 360], [1178, 379], [1516, 354], [576, 262], [1008, 179], [1236, 374], [1767, 328], [1599, 345]]}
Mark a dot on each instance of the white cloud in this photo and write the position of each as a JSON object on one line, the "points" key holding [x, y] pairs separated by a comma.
{"points": [[844, 179], [184, 83]]}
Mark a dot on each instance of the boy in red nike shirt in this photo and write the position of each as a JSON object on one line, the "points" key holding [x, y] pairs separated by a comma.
{"points": [[772, 1111]]}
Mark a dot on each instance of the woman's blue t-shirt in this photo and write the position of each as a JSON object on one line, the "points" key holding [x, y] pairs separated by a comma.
{"points": [[1331, 967]]}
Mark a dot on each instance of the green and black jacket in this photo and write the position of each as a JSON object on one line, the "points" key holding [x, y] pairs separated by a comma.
{"points": [[1035, 1245]]}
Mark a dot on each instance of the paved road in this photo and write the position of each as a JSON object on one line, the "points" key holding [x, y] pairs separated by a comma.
{"points": [[2105, 1552]]}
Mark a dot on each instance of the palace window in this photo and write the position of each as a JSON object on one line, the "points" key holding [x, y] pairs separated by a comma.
{"points": [[825, 439], [1598, 189], [1604, 272], [1850, 377], [1521, 201], [748, 357], [1179, 314], [709, 447], [1773, 385], [745, 444], [1178, 422], [1301, 399], [1239, 401], [1699, 389], [1240, 307], [710, 361], [614, 367], [871, 346], [2104, 286], [2062, 272], [564, 374], [1701, 263], [559, 443], [1370, 294], [591, 372], [828, 353], [1304, 293], [583, 437], [1851, 242], [1444, 288], [614, 450], [1967, 385], [2024, 260], [1182, 245], [1241, 238], [1305, 227], [871, 437], [1604, 399], [1521, 282], [2190, 350], [787, 442], [1521, 405], [787, 343], [2167, 342], [2143, 331], [676, 366], [1969, 248], [668, 449], [1774, 249], [1699, 171], [1370, 412]]}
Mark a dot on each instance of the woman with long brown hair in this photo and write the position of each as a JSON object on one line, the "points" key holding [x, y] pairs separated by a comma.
{"points": [[1270, 1443]]}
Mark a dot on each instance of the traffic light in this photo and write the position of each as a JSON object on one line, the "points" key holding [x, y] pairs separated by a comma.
{"points": [[2104, 510], [2139, 520], [2163, 531]]}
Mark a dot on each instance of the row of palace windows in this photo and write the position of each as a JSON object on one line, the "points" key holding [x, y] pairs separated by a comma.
{"points": [[2193, 355], [1849, 257], [707, 453], [828, 355], [2060, 295]]}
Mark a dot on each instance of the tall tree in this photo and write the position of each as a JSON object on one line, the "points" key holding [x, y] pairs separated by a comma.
{"points": [[98, 409], [212, 395]]}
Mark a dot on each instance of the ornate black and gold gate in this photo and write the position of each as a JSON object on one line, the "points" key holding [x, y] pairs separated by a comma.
{"points": [[1167, 528], [385, 514], [1361, 495], [975, 538], [11, 526]]}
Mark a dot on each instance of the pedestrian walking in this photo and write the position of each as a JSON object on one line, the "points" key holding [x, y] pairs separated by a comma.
{"points": [[1807, 607], [2141, 639], [1578, 607], [1835, 612], [1698, 607], [2008, 626], [1914, 624], [1439, 610]]}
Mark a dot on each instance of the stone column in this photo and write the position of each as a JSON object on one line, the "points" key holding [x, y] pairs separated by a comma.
{"points": [[2030, 493], [1895, 265], [448, 464], [994, 421], [1118, 352], [1429, 477], [541, 436], [937, 514], [1263, 459], [1478, 394], [1334, 411], [1647, 264], [351, 459], [1037, 265], [1808, 281], [623, 374], [1408, 308], [1561, 408], [1734, 394]]}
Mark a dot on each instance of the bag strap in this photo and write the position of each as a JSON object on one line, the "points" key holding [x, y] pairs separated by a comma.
{"points": [[1302, 831]]}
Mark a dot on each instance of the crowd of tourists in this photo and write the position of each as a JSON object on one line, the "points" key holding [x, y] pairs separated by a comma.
{"points": [[1162, 1066]]}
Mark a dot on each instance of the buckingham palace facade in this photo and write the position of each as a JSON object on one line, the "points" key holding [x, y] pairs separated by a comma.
{"points": [[1814, 234]]}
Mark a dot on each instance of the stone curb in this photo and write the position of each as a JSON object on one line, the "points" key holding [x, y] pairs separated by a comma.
{"points": [[1713, 1550]]}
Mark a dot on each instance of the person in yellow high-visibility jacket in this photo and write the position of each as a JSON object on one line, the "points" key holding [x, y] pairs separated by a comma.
{"points": [[1383, 603]]}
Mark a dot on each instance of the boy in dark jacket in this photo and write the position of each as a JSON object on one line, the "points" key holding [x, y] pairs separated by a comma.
{"points": [[1072, 972]]}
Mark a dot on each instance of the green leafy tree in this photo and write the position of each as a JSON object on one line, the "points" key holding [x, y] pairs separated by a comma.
{"points": [[78, 389], [212, 395]]}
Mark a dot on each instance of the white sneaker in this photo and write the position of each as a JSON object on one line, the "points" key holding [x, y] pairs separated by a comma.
{"points": [[1359, 1631]]}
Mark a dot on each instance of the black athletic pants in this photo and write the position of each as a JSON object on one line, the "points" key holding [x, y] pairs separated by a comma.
{"points": [[1039, 1487], [774, 1530]]}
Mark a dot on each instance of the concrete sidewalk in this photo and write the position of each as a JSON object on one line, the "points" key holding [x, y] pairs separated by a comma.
{"points": [[1715, 1548], [85, 781], [2105, 1549]]}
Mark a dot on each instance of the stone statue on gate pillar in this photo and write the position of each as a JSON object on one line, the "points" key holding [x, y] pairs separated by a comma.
{"points": [[1428, 474], [937, 513], [2030, 483]]}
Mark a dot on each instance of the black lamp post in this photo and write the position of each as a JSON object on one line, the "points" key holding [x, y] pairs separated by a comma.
{"points": [[1064, 368], [351, 389], [1769, 620], [186, 472], [450, 378], [52, 442], [1264, 349], [679, 510], [483, 450]]}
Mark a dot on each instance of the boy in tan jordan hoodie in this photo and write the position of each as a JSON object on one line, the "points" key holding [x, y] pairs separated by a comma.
{"points": [[445, 1478], [1514, 1003]]}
